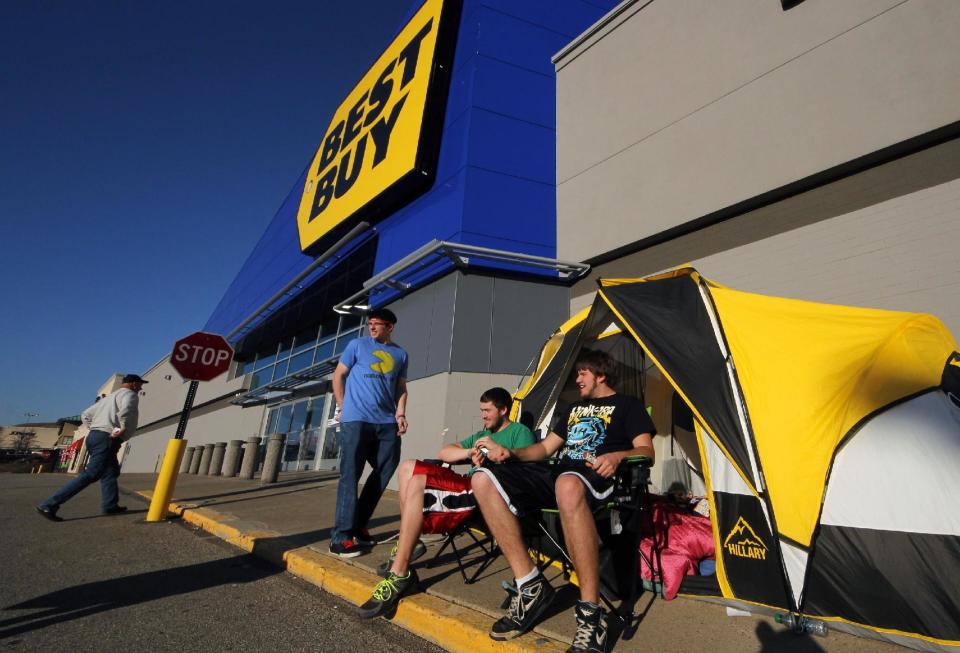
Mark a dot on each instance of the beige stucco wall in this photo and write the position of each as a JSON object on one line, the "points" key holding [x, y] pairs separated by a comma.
{"points": [[213, 418], [897, 253], [675, 110]]}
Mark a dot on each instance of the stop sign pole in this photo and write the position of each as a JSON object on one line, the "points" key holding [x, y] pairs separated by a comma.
{"points": [[187, 407], [198, 357]]}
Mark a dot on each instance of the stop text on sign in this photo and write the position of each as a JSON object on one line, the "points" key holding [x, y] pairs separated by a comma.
{"points": [[187, 353], [379, 149]]}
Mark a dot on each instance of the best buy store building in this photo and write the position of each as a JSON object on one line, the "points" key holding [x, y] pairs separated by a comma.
{"points": [[806, 149], [432, 192]]}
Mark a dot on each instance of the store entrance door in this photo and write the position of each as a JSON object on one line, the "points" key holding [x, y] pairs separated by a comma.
{"points": [[328, 437], [303, 424]]}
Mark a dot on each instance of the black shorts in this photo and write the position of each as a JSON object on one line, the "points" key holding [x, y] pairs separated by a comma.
{"points": [[529, 487]]}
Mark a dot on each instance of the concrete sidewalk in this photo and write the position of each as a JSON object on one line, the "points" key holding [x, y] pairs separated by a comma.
{"points": [[288, 523]]}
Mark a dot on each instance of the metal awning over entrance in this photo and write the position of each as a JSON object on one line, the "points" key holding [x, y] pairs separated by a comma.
{"points": [[434, 259], [439, 257], [312, 381]]}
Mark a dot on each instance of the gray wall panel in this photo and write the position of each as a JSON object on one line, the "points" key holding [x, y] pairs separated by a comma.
{"points": [[473, 323], [471, 328], [654, 131], [441, 327], [524, 316], [424, 318]]}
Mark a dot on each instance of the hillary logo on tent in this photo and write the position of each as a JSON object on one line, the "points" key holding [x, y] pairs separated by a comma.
{"points": [[743, 542]]}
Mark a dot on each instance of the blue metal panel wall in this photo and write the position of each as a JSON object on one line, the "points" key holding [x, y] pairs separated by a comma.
{"points": [[495, 182]]}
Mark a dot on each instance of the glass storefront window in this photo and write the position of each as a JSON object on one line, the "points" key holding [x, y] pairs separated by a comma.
{"points": [[272, 421], [265, 359], [285, 346], [324, 351], [291, 449], [300, 361], [299, 417], [283, 420], [280, 369], [344, 339], [329, 325], [260, 378], [305, 340], [308, 448]]}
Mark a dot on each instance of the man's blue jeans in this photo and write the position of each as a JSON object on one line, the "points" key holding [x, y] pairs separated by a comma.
{"points": [[360, 442], [102, 466]]}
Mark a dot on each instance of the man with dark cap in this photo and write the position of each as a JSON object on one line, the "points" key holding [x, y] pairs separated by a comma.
{"points": [[111, 420]]}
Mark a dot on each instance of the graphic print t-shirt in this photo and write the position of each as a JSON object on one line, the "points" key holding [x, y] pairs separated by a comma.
{"points": [[597, 426], [371, 392]]}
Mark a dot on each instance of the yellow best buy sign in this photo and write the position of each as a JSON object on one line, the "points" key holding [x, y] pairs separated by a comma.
{"points": [[381, 146]]}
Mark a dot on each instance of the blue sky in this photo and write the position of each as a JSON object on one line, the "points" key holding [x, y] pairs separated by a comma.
{"points": [[144, 147]]}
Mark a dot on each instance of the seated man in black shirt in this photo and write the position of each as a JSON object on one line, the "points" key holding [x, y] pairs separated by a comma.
{"points": [[593, 436]]}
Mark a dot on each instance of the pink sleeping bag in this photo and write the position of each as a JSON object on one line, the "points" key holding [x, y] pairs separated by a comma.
{"points": [[685, 538]]}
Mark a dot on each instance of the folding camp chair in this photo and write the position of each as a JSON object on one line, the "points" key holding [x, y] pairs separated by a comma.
{"points": [[630, 503], [476, 529]]}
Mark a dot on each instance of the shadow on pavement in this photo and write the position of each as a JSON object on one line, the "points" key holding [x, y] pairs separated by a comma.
{"points": [[317, 478], [101, 596], [128, 512], [255, 498]]}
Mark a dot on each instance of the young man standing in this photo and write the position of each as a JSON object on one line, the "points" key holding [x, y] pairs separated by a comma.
{"points": [[450, 498], [370, 386], [111, 420], [593, 436]]}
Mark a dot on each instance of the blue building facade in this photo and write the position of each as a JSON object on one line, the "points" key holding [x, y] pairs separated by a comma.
{"points": [[495, 176], [466, 263]]}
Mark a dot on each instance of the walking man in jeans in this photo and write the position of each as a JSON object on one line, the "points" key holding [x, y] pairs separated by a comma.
{"points": [[370, 386], [111, 420]]}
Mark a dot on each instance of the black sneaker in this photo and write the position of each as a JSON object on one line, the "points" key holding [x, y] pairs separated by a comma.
{"points": [[116, 510], [418, 550], [346, 548], [49, 514], [387, 594], [526, 608], [591, 634], [363, 538]]}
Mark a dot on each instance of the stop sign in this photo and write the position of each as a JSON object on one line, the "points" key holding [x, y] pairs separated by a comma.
{"points": [[201, 356]]}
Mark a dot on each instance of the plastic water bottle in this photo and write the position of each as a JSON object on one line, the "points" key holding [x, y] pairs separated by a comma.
{"points": [[800, 624]]}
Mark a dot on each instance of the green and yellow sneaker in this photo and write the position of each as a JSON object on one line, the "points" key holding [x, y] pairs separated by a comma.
{"points": [[418, 550], [387, 594]]}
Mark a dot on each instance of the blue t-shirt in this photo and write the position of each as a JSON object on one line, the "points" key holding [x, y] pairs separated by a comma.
{"points": [[371, 392]]}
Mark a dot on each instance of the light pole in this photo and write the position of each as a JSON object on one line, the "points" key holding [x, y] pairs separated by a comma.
{"points": [[28, 415]]}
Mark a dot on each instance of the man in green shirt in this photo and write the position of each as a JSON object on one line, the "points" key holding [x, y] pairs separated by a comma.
{"points": [[434, 499]]}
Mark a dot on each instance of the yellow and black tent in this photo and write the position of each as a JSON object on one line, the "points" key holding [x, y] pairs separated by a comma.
{"points": [[828, 436]]}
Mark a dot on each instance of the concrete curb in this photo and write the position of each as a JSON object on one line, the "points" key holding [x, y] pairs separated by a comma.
{"points": [[454, 627]]}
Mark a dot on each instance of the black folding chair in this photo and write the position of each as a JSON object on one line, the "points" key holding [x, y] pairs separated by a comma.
{"points": [[476, 529], [630, 503]]}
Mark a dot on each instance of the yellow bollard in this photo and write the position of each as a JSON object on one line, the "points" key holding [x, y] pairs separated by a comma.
{"points": [[166, 481]]}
